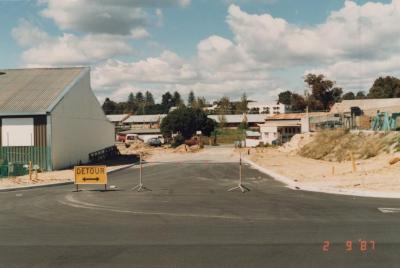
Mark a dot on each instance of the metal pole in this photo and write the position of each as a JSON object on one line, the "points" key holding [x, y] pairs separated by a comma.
{"points": [[140, 170], [140, 187], [240, 186]]}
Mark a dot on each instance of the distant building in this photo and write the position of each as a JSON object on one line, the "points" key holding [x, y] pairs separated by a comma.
{"points": [[51, 117], [144, 121], [117, 119], [368, 106], [234, 120], [266, 108], [281, 128]]}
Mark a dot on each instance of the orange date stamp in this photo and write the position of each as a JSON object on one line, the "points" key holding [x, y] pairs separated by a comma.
{"points": [[349, 246]]}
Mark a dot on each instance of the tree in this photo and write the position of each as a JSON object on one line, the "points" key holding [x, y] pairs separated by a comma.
{"points": [[131, 106], [349, 96], [186, 121], [139, 98], [222, 120], [324, 94], [131, 98], [360, 95], [149, 100], [176, 99], [200, 102], [241, 107], [109, 106], [191, 99], [298, 103], [385, 87], [285, 97], [166, 102], [225, 106]]}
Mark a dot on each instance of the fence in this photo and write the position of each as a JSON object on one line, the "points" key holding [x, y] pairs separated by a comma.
{"points": [[13, 158], [104, 154]]}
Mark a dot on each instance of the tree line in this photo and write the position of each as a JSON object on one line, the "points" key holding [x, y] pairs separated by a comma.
{"points": [[323, 93]]}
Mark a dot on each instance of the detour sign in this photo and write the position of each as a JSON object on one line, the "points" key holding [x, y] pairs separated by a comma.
{"points": [[90, 175]]}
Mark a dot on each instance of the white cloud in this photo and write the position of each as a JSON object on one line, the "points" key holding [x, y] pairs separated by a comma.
{"points": [[27, 34], [103, 16], [68, 49]]}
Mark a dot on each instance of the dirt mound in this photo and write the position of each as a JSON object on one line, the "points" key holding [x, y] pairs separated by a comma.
{"points": [[186, 149], [133, 147], [297, 142], [338, 145]]}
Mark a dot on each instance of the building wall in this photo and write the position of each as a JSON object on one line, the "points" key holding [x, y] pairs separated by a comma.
{"points": [[267, 108], [39, 128], [78, 126]]}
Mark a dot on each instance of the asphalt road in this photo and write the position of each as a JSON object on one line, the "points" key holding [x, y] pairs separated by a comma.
{"points": [[190, 220]]}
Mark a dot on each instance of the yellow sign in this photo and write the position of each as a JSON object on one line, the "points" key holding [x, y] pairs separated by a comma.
{"points": [[90, 175]]}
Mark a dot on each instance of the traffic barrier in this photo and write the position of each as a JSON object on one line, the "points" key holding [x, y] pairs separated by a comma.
{"points": [[140, 186]]}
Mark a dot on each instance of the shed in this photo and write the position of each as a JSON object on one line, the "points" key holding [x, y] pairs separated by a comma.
{"points": [[51, 117]]}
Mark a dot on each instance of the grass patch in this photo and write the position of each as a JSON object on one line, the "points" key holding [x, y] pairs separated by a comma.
{"points": [[229, 136]]}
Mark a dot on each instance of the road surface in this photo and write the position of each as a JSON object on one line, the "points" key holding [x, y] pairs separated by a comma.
{"points": [[190, 220]]}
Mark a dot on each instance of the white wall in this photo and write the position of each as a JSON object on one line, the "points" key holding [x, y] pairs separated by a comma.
{"points": [[78, 126], [17, 132], [268, 134]]}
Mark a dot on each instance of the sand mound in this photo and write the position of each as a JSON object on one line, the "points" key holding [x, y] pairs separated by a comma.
{"points": [[187, 149], [297, 142]]}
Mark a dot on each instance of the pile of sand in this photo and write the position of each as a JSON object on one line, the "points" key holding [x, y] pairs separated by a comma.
{"points": [[133, 147], [186, 149], [297, 142]]}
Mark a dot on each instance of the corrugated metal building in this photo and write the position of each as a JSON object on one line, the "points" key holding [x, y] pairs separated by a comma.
{"points": [[49, 116], [369, 106], [144, 121], [234, 120]]}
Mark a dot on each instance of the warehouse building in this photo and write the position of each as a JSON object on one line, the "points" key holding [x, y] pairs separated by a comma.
{"points": [[51, 117]]}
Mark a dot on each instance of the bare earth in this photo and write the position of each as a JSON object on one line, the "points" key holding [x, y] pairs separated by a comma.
{"points": [[45, 178], [372, 175]]}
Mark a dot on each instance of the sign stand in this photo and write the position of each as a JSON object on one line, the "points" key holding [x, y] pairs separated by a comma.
{"points": [[140, 187], [240, 186]]}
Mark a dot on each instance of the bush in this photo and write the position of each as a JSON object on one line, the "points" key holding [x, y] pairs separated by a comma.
{"points": [[178, 140]]}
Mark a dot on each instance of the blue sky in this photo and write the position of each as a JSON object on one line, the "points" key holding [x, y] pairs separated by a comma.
{"points": [[215, 48]]}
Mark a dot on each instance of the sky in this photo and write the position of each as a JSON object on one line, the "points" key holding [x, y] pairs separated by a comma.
{"points": [[212, 47]]}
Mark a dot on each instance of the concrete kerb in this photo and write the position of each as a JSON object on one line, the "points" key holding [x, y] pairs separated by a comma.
{"points": [[28, 187], [291, 184]]}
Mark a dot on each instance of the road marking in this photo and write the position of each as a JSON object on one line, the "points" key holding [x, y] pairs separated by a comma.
{"points": [[389, 210], [71, 201]]}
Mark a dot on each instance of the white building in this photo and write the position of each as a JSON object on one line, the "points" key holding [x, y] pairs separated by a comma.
{"points": [[267, 108], [281, 128], [51, 117]]}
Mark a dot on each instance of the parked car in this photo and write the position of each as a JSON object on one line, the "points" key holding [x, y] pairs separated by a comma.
{"points": [[129, 138], [156, 142]]}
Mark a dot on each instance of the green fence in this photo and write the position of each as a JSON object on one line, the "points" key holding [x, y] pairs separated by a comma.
{"points": [[17, 156]]}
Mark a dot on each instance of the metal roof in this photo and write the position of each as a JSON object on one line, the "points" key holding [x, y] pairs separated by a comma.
{"points": [[152, 118], [366, 104], [238, 118], [35, 91], [141, 131], [117, 117], [294, 116]]}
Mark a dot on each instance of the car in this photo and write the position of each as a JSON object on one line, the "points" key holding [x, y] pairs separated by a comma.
{"points": [[156, 142]]}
